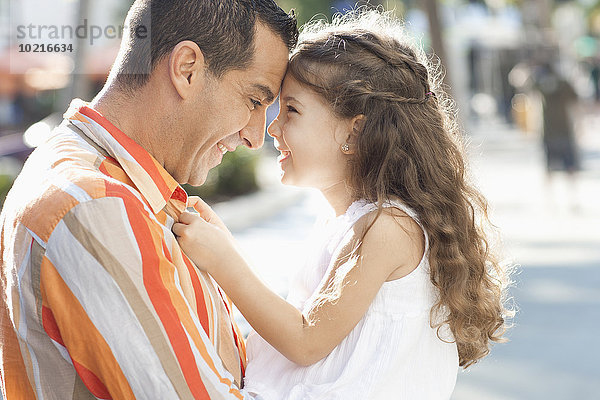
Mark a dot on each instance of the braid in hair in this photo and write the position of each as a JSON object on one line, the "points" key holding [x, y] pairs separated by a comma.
{"points": [[362, 90]]}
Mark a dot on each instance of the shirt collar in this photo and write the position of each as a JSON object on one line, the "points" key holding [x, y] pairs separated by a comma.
{"points": [[154, 183]]}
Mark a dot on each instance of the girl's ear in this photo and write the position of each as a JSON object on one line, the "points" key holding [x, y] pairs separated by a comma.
{"points": [[357, 123]]}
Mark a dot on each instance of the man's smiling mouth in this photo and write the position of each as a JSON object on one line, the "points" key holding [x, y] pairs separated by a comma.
{"points": [[222, 147]]}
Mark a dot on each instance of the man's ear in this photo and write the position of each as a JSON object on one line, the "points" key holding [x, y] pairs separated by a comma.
{"points": [[187, 68]]}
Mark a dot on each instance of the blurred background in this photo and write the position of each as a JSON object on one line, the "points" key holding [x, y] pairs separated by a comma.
{"points": [[526, 78]]}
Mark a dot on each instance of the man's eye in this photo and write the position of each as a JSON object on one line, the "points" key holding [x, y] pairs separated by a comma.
{"points": [[291, 109], [255, 103]]}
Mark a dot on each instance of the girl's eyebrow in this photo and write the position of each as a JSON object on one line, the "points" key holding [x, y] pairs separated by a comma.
{"points": [[291, 98]]}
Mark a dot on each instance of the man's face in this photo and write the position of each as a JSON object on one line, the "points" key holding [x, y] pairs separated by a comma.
{"points": [[230, 111]]}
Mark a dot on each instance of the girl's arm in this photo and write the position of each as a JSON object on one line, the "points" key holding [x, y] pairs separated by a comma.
{"points": [[394, 244]]}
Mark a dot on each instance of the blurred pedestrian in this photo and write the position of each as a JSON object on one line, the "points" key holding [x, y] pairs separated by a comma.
{"points": [[595, 77], [558, 138]]}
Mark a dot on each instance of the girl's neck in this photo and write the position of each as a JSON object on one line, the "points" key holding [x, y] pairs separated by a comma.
{"points": [[338, 196]]}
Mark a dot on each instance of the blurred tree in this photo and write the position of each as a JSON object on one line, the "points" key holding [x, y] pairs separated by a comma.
{"points": [[6, 182], [80, 83], [236, 175], [545, 13], [306, 9], [120, 12], [593, 18], [435, 33]]}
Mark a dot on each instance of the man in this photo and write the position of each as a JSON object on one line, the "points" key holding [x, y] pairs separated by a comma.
{"points": [[98, 300]]}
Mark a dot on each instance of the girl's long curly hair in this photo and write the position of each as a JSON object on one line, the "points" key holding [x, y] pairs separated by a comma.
{"points": [[410, 148]]}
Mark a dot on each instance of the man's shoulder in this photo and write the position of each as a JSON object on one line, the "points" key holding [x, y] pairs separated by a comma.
{"points": [[83, 164], [41, 198]]}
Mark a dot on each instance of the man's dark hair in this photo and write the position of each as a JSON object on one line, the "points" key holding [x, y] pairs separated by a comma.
{"points": [[223, 29]]}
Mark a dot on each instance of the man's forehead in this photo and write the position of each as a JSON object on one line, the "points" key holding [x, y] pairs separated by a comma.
{"points": [[270, 62], [265, 78]]}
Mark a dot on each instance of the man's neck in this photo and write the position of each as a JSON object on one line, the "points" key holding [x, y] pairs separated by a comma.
{"points": [[135, 117]]}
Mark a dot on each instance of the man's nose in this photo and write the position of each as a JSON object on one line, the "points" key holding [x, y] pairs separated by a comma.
{"points": [[253, 134]]}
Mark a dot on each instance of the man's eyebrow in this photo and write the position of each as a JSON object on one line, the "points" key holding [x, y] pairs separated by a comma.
{"points": [[266, 92]]}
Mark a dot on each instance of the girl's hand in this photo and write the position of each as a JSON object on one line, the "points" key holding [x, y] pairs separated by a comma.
{"points": [[206, 243], [206, 212]]}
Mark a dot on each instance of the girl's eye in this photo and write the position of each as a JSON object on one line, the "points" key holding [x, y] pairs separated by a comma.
{"points": [[255, 103], [291, 109]]}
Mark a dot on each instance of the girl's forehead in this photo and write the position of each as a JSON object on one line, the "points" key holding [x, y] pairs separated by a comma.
{"points": [[289, 81], [292, 87]]}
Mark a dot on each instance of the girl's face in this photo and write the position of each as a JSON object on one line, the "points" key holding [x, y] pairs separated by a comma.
{"points": [[309, 136]]}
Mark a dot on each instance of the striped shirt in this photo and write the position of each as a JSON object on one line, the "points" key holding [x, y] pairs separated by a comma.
{"points": [[97, 299]]}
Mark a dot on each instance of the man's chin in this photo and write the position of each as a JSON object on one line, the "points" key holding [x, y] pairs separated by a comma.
{"points": [[193, 179], [197, 181]]}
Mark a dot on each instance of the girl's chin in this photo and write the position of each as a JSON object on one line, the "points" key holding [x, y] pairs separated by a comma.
{"points": [[287, 179]]}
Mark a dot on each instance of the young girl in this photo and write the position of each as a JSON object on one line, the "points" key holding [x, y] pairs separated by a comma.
{"points": [[403, 289]]}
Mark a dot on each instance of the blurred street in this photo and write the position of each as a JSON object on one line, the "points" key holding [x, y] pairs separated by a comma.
{"points": [[552, 234]]}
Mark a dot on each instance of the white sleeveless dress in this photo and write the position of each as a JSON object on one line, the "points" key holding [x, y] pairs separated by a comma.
{"points": [[392, 353]]}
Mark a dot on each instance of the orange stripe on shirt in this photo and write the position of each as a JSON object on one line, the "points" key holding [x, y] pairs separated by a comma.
{"points": [[114, 170], [157, 292], [184, 317], [135, 150], [15, 382], [201, 306], [55, 202], [86, 345]]}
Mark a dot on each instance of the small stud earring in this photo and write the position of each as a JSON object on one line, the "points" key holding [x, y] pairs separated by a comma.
{"points": [[345, 148]]}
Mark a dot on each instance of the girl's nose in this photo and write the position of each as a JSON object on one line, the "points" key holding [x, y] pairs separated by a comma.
{"points": [[273, 129]]}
